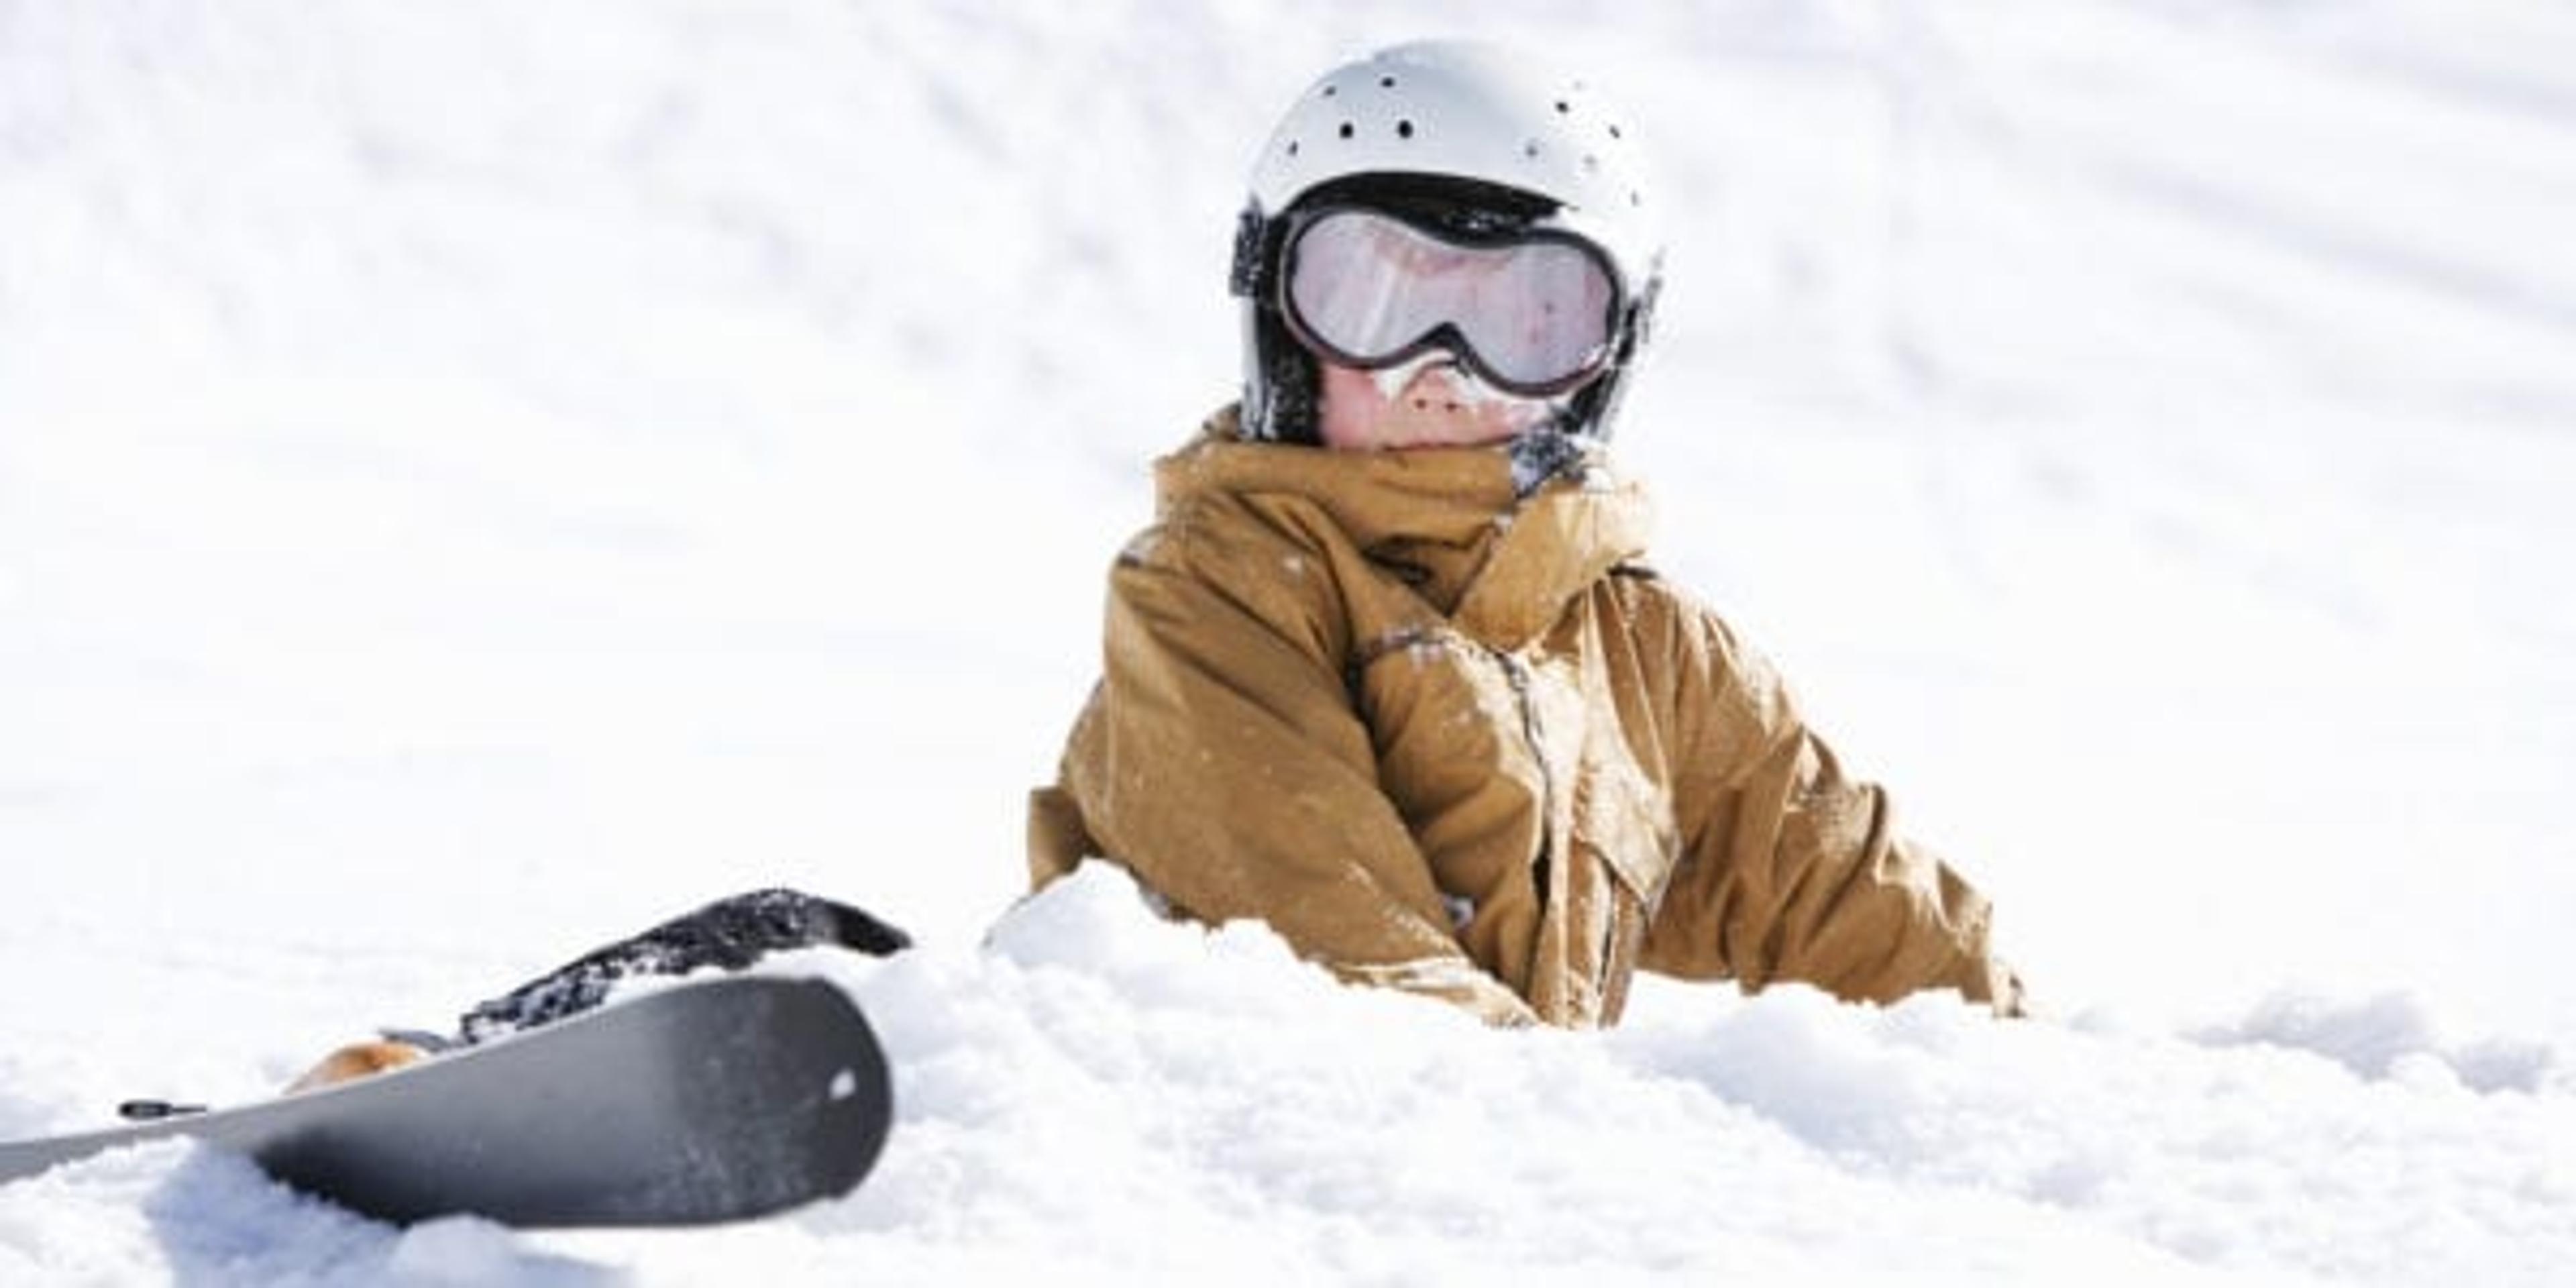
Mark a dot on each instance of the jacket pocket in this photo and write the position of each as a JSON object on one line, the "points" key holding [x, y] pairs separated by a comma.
{"points": [[1626, 819]]}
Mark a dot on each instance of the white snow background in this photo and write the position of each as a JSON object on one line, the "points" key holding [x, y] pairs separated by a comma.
{"points": [[479, 478]]}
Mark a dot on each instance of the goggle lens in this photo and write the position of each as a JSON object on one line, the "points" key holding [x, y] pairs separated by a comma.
{"points": [[1370, 290]]}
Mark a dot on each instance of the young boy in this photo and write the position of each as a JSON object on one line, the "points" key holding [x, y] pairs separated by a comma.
{"points": [[1386, 672]]}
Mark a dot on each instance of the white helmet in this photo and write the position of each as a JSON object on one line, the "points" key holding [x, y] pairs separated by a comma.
{"points": [[1483, 139]]}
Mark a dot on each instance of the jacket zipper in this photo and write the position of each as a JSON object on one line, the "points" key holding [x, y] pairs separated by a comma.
{"points": [[1517, 674]]}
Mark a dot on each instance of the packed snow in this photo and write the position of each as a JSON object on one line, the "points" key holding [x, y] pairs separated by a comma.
{"points": [[478, 479]]}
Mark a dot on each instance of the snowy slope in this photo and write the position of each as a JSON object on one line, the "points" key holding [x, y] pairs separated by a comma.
{"points": [[477, 479]]}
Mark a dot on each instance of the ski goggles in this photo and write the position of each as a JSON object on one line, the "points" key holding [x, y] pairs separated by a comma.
{"points": [[1535, 315]]}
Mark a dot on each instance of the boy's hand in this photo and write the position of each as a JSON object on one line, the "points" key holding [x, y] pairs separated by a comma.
{"points": [[357, 1060]]}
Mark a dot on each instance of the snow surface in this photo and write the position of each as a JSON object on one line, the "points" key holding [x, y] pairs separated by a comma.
{"points": [[476, 479]]}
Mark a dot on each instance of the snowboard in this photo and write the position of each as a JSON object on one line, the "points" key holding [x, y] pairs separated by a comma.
{"points": [[708, 1101]]}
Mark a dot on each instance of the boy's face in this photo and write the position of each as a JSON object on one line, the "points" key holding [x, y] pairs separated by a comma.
{"points": [[1429, 401]]}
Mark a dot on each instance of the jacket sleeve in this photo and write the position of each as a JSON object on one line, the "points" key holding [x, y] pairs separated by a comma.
{"points": [[1221, 760], [1790, 870]]}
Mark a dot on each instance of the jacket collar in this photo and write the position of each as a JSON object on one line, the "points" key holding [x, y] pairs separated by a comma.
{"points": [[1502, 566]]}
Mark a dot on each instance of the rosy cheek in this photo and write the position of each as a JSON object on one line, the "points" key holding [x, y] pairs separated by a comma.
{"points": [[1352, 405], [1513, 414], [1358, 389]]}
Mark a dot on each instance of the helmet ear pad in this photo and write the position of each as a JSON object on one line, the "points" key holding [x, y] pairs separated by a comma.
{"points": [[1597, 404], [1281, 384], [1282, 399]]}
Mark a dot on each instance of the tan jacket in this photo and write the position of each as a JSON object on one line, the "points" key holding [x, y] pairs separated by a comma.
{"points": [[1463, 744]]}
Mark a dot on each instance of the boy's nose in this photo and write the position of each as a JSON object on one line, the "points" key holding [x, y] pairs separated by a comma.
{"points": [[1440, 389]]}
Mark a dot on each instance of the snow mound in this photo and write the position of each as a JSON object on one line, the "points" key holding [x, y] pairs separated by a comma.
{"points": [[1109, 1093], [1099, 1094]]}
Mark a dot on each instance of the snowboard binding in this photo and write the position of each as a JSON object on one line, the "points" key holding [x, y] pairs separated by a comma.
{"points": [[729, 934]]}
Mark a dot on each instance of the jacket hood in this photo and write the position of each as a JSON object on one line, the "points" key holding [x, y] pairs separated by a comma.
{"points": [[1503, 566]]}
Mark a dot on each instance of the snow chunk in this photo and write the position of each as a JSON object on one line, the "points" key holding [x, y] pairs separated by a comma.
{"points": [[470, 1251], [171, 1211], [1098, 920], [2389, 1035]]}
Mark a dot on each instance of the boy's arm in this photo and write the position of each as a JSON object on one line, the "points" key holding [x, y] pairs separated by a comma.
{"points": [[1221, 761], [1792, 871]]}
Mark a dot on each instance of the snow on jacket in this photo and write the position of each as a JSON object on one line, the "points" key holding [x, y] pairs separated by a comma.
{"points": [[1461, 743]]}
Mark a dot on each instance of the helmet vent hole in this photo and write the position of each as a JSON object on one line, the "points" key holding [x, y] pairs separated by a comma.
{"points": [[1614, 131], [1331, 90], [1530, 148], [1346, 129], [1292, 147], [1562, 108], [1404, 129], [1386, 82]]}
